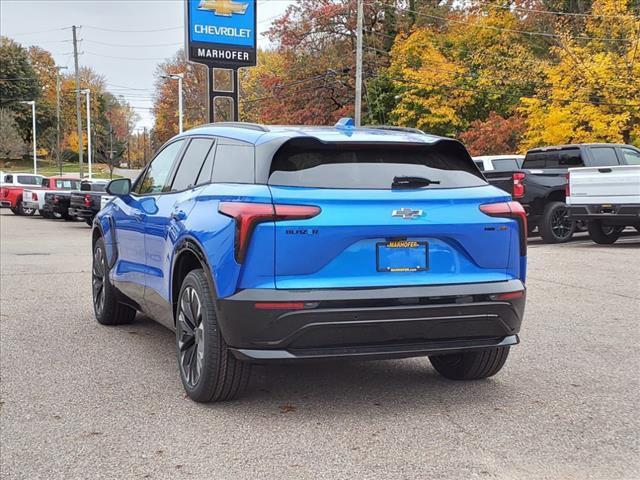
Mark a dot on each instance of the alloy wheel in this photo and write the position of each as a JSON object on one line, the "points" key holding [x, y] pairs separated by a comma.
{"points": [[98, 277], [190, 336], [561, 225]]}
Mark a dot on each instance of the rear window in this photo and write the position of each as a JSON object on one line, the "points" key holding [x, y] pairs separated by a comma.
{"points": [[565, 158], [305, 163], [505, 164], [29, 180], [67, 184]]}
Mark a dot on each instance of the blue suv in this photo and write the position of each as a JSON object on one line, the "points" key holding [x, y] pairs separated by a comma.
{"points": [[269, 243]]}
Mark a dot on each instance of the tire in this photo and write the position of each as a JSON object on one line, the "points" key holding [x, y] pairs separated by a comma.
{"points": [[208, 370], [15, 211], [604, 234], [89, 221], [555, 226], [27, 212], [107, 309], [470, 365], [44, 214]]}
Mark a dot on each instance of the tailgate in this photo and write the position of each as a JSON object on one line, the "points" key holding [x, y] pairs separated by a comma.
{"points": [[597, 185]]}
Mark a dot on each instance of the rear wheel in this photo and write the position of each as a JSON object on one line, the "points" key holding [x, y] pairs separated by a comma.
{"points": [[15, 211], [27, 212], [555, 225], [45, 214], [470, 365], [208, 370], [604, 234], [106, 307]]}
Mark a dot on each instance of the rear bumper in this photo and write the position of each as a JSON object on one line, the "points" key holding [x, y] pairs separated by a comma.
{"points": [[6, 204], [611, 214], [371, 323], [33, 205], [81, 212]]}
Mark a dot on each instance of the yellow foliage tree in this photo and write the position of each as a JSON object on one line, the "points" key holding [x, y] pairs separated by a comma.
{"points": [[593, 91], [425, 77]]}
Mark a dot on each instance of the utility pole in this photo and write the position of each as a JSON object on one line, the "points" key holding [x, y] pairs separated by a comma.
{"points": [[78, 104], [87, 92], [33, 126], [358, 106], [58, 117]]}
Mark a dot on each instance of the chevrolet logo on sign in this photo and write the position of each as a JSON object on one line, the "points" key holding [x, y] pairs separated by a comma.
{"points": [[224, 8]]}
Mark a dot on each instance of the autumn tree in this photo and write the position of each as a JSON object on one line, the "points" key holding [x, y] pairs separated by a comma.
{"points": [[18, 83], [494, 136], [194, 92], [593, 91]]}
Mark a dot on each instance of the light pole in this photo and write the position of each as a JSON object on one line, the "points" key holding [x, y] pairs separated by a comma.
{"points": [[58, 117], [87, 92], [33, 126], [179, 77], [358, 105]]}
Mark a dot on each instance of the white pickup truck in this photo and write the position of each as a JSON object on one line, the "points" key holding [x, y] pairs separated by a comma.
{"points": [[607, 198]]}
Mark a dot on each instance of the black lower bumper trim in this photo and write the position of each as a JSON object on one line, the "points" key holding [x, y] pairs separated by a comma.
{"points": [[376, 352], [376, 321], [613, 214]]}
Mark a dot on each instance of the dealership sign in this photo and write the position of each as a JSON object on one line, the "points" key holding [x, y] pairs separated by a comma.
{"points": [[221, 33]]}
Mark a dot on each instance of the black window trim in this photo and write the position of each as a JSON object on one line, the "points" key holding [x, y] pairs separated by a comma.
{"points": [[176, 166]]}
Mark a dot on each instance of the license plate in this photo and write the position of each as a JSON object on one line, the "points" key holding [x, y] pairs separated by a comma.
{"points": [[402, 256]]}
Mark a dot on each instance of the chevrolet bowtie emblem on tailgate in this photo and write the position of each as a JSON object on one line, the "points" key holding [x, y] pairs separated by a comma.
{"points": [[224, 8], [407, 213]]}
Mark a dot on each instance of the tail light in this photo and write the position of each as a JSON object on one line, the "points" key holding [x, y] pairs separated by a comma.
{"points": [[34, 196], [56, 199], [248, 215], [567, 187], [518, 184], [510, 210], [87, 200]]}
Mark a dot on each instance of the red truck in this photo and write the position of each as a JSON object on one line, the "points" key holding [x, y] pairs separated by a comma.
{"points": [[12, 186]]}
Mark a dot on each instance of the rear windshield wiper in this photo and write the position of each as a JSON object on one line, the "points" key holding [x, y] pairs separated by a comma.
{"points": [[412, 182]]}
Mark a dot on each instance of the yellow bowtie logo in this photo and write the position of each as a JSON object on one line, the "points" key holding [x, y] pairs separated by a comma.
{"points": [[224, 8]]}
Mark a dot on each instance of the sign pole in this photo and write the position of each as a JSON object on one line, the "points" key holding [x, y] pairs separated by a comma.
{"points": [[221, 34]]}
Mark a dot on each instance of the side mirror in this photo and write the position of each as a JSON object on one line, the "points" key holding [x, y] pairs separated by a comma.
{"points": [[119, 187]]}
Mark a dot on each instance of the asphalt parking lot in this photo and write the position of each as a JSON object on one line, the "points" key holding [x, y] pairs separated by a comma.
{"points": [[79, 400]]}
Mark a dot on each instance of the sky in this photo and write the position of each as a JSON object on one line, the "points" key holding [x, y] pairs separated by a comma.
{"points": [[123, 40]]}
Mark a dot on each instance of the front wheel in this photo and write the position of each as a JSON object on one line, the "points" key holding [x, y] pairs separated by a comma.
{"points": [[107, 309], [27, 212], [555, 226], [604, 234], [208, 370], [470, 365]]}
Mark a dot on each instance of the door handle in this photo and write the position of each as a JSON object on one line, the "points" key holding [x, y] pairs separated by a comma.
{"points": [[178, 215]]}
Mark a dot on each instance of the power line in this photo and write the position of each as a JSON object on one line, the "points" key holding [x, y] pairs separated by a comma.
{"points": [[134, 31], [125, 58], [502, 29], [135, 45], [551, 12], [39, 31]]}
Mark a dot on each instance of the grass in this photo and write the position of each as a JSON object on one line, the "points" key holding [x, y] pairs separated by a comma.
{"points": [[49, 169]]}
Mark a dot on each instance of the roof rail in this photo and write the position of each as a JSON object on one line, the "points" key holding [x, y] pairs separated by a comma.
{"points": [[396, 128], [250, 126]]}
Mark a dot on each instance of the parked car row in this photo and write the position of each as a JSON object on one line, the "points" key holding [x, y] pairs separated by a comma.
{"points": [[541, 185], [53, 197]]}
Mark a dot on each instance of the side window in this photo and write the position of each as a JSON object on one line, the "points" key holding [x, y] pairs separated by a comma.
{"points": [[191, 164], [234, 164], [631, 156], [8, 178], [604, 156], [156, 176]]}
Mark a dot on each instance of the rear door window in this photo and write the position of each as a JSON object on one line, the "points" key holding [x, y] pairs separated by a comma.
{"points": [[632, 157], [564, 158], [375, 166], [29, 180], [191, 164], [505, 164], [604, 156]]}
